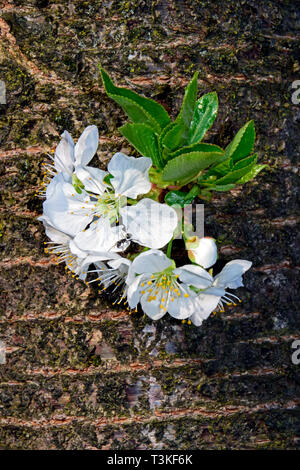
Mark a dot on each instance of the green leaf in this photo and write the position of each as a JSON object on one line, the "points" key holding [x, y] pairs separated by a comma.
{"points": [[245, 162], [187, 166], [180, 198], [175, 198], [235, 175], [144, 140], [221, 169], [162, 135], [188, 104], [174, 138], [242, 144], [204, 115], [138, 108], [198, 147], [193, 192], [222, 187], [252, 173]]}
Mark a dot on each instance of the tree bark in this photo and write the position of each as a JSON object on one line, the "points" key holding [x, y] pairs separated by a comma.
{"points": [[79, 373]]}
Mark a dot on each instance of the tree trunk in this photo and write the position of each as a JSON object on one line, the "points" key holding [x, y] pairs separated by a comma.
{"points": [[79, 373]]}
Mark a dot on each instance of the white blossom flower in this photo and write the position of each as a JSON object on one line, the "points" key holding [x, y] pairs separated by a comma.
{"points": [[98, 243], [129, 178], [148, 222], [154, 282], [59, 246], [212, 292], [70, 159], [202, 251]]}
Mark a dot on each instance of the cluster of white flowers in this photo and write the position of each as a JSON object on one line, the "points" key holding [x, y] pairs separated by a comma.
{"points": [[92, 216]]}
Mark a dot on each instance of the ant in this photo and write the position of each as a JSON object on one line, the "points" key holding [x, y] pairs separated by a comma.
{"points": [[124, 240]]}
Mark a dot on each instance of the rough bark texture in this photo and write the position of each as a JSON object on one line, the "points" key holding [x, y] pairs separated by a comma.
{"points": [[80, 374]]}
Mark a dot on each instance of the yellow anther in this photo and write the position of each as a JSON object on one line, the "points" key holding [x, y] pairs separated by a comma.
{"points": [[186, 295]]}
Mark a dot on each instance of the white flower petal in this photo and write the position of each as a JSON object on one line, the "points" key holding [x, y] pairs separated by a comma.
{"points": [[194, 276], [82, 268], [64, 209], [92, 178], [133, 292], [216, 291], [206, 253], [231, 274], [99, 257], [64, 154], [153, 308], [60, 178], [120, 263], [182, 307], [100, 265], [130, 175], [55, 235], [150, 223], [86, 146], [98, 240], [152, 261], [204, 305]]}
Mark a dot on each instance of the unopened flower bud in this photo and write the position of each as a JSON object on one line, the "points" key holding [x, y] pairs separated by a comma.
{"points": [[202, 251]]}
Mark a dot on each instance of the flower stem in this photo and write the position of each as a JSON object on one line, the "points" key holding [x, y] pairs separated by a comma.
{"points": [[169, 249]]}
